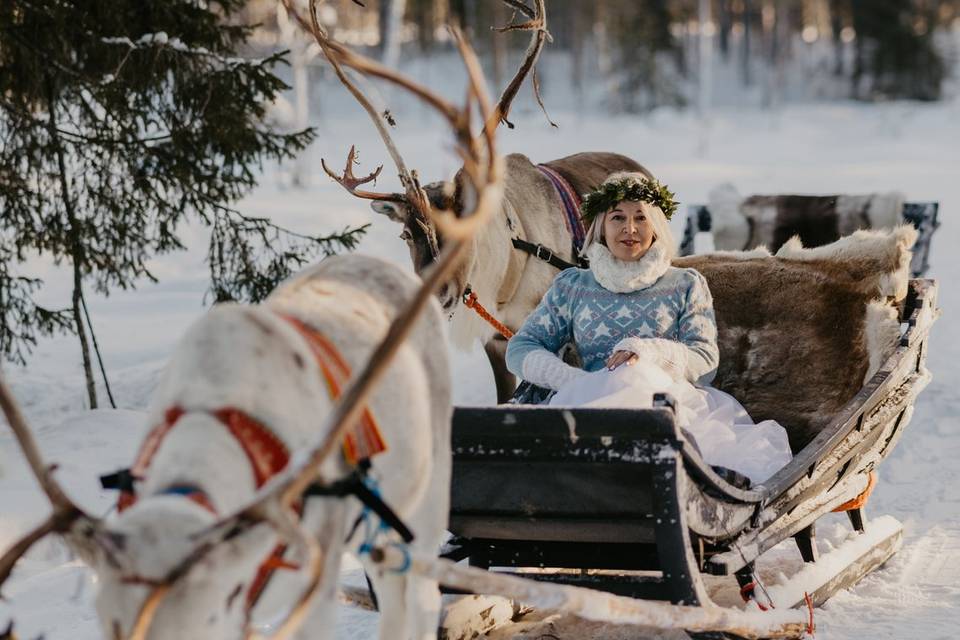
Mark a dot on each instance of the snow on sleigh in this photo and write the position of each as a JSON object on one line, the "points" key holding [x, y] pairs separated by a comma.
{"points": [[831, 342]]}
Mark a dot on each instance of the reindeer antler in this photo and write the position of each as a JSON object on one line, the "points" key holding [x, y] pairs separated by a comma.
{"points": [[65, 512], [340, 56], [350, 182], [538, 25]]}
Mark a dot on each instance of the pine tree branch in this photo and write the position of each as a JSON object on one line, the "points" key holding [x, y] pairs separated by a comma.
{"points": [[106, 150], [114, 141]]}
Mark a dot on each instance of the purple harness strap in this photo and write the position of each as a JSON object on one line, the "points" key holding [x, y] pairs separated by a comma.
{"points": [[571, 206]]}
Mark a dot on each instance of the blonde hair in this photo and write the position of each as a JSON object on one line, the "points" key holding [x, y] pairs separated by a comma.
{"points": [[659, 222]]}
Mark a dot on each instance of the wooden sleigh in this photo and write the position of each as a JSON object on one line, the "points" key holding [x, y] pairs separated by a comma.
{"points": [[618, 501]]}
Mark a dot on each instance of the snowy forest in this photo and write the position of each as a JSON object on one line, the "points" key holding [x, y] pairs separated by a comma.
{"points": [[635, 56], [161, 160]]}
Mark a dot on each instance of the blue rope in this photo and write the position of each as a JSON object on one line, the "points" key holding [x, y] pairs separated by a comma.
{"points": [[372, 531]]}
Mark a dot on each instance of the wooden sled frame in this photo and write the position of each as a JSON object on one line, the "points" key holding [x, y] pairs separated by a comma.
{"points": [[621, 491], [922, 215]]}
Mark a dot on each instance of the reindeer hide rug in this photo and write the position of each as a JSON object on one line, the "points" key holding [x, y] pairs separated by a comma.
{"points": [[802, 331]]}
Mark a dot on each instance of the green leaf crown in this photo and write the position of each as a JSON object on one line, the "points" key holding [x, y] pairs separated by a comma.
{"points": [[607, 195]]}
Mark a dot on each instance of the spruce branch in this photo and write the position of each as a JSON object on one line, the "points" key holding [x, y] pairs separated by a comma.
{"points": [[249, 256]]}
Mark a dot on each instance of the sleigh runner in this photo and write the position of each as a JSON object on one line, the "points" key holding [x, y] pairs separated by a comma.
{"points": [[620, 501]]}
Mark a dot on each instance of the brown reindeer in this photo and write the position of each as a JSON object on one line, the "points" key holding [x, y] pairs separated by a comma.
{"points": [[173, 564], [512, 261]]}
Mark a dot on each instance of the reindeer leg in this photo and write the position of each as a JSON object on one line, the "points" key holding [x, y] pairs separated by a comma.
{"points": [[423, 607], [423, 594], [496, 349], [391, 590], [320, 621]]}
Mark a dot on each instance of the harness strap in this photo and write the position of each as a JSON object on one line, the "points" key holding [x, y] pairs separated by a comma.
{"points": [[571, 206], [543, 253], [364, 440], [356, 485], [268, 455], [193, 494]]}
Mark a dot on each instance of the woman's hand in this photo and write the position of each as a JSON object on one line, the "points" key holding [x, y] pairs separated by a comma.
{"points": [[619, 358]]}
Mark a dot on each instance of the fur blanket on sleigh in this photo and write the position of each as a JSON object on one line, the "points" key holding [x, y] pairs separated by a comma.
{"points": [[801, 331]]}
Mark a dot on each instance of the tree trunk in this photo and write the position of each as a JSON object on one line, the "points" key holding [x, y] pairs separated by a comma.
{"points": [[725, 24], [704, 59], [604, 56], [301, 88], [391, 21], [76, 252], [768, 18], [498, 46], [836, 26], [578, 21], [747, 28], [82, 333]]}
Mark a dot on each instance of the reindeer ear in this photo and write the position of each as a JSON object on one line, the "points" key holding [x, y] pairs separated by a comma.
{"points": [[389, 209], [441, 195], [466, 198]]}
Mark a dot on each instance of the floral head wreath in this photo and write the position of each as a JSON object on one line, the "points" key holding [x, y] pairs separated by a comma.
{"points": [[607, 195]]}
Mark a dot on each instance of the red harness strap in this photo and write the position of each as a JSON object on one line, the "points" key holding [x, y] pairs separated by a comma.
{"points": [[364, 440], [265, 451], [268, 455]]}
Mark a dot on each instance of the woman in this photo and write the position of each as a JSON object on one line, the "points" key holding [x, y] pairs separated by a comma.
{"points": [[641, 326]]}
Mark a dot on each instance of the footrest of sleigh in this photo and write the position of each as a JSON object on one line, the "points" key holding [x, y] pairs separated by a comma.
{"points": [[843, 566]]}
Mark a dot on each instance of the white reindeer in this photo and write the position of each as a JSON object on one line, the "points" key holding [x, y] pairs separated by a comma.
{"points": [[255, 362], [505, 275], [245, 422]]}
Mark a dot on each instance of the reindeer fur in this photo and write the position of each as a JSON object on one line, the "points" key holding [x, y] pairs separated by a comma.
{"points": [[251, 359], [801, 332]]}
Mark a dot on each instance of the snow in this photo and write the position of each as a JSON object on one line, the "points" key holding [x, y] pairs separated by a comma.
{"points": [[840, 147]]}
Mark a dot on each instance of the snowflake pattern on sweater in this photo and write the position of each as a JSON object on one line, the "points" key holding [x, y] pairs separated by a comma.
{"points": [[677, 307]]}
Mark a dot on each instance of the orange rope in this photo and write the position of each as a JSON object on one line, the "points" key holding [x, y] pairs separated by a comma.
{"points": [[811, 627], [470, 300]]}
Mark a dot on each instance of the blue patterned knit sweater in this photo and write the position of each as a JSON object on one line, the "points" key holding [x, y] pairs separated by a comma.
{"points": [[677, 307]]}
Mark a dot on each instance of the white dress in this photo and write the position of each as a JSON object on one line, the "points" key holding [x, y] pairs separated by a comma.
{"points": [[724, 432]]}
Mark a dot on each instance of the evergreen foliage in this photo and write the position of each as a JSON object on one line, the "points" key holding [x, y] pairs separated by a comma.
{"points": [[896, 56], [121, 121], [647, 50]]}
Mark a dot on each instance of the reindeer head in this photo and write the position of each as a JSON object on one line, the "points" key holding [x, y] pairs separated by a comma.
{"points": [[420, 234], [150, 542]]}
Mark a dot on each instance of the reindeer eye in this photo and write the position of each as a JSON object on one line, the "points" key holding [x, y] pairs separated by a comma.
{"points": [[405, 235]]}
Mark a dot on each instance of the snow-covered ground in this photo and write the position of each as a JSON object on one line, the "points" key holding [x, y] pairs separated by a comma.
{"points": [[829, 148]]}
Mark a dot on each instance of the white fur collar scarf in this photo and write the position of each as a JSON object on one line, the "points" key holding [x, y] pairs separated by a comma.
{"points": [[626, 277]]}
